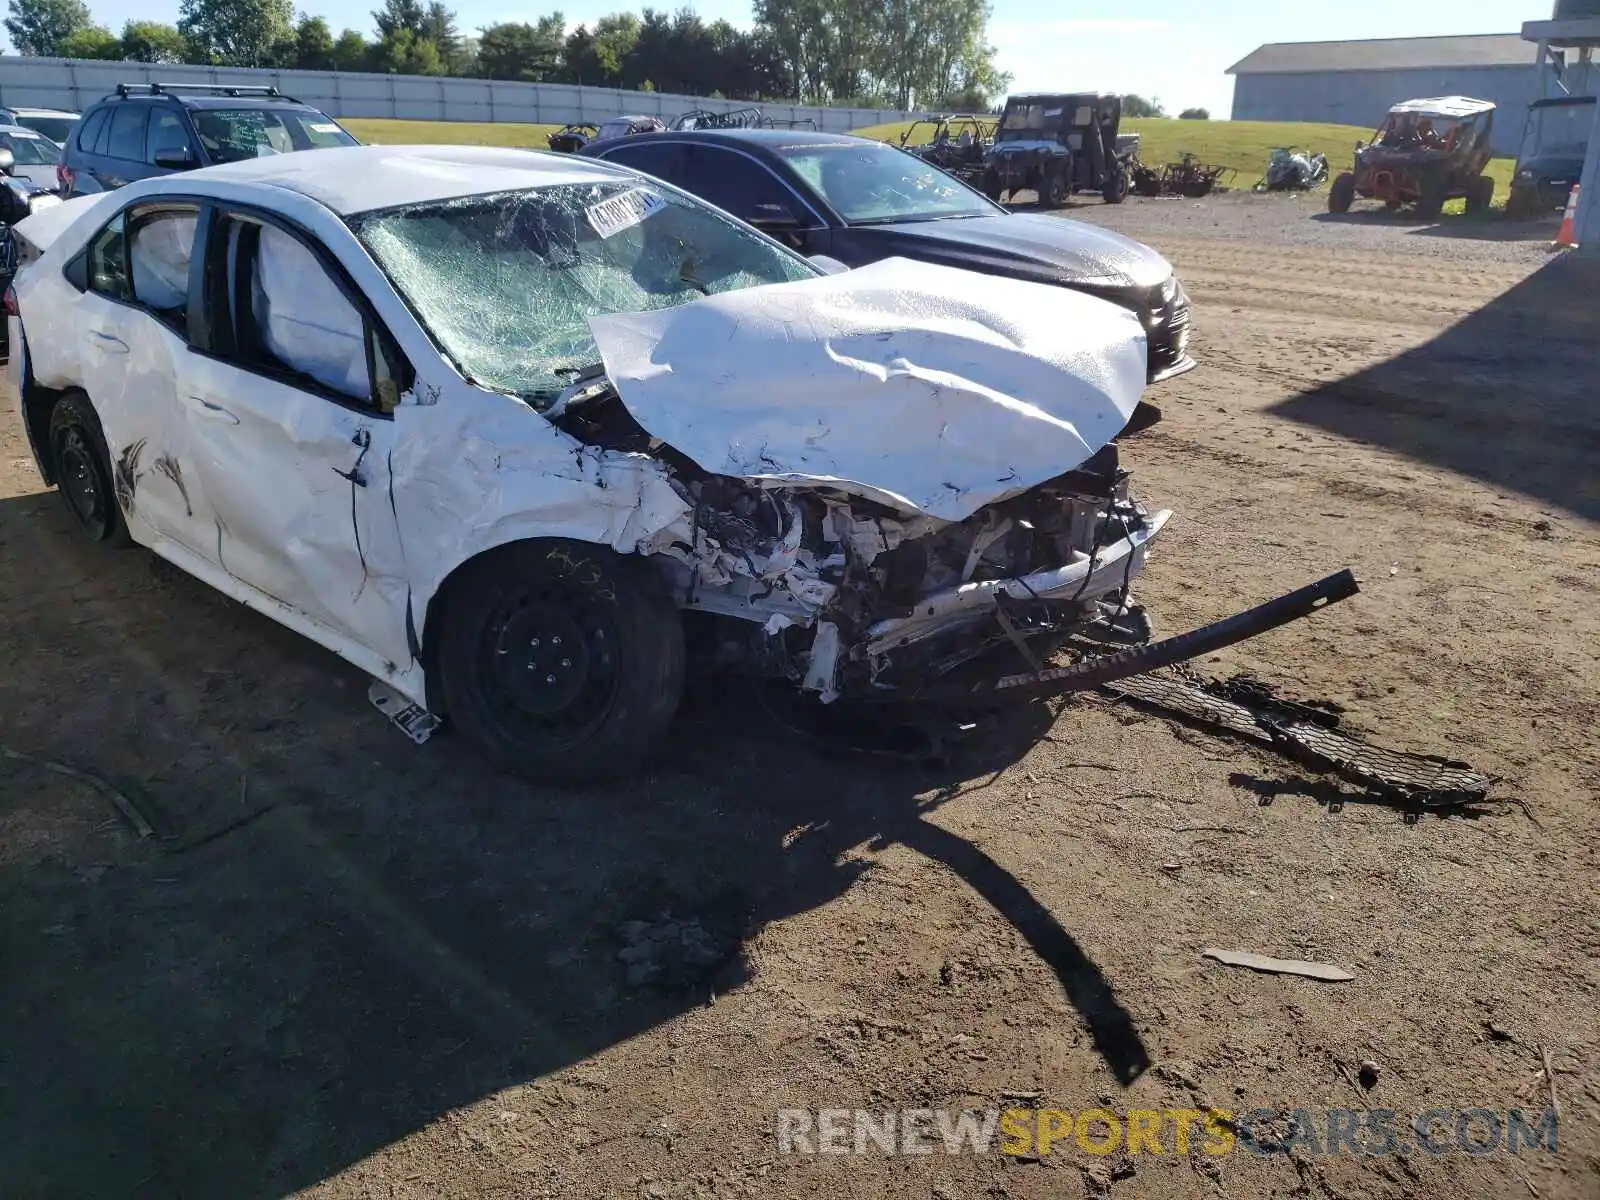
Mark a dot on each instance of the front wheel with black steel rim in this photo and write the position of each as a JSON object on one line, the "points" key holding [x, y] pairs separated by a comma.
{"points": [[82, 468], [562, 661]]}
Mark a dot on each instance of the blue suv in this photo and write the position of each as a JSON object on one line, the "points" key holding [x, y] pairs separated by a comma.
{"points": [[146, 129]]}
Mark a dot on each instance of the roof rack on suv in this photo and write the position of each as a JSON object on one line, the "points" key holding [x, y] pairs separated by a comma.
{"points": [[216, 89]]}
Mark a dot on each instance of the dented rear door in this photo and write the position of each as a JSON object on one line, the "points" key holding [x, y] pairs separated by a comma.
{"points": [[130, 329]]}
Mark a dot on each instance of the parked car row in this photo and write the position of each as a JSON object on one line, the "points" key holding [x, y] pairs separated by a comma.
{"points": [[518, 433]]}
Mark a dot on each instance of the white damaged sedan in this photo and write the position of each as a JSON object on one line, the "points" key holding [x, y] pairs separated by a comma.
{"points": [[514, 432]]}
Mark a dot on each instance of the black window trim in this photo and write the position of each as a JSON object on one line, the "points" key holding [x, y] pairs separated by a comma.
{"points": [[204, 300], [659, 139]]}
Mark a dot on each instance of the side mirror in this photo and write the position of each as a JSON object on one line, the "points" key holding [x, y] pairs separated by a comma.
{"points": [[175, 159], [828, 266], [7, 161]]}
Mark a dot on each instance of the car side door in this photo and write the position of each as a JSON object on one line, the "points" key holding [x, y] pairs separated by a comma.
{"points": [[123, 159], [290, 393], [748, 189], [131, 323]]}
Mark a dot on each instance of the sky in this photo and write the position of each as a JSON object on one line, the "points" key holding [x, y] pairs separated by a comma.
{"points": [[1177, 50]]}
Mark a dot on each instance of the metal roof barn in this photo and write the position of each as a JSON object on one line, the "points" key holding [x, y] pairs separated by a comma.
{"points": [[1357, 82]]}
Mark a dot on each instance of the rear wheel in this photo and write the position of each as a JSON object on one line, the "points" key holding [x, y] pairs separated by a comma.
{"points": [[1116, 189], [82, 467], [561, 661], [1431, 202], [1053, 189], [1342, 194], [1522, 203], [1481, 196]]}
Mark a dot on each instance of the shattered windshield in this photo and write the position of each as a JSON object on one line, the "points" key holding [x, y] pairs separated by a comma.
{"points": [[1562, 130], [870, 183], [506, 283]]}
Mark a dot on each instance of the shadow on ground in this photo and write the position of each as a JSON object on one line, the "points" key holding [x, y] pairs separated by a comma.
{"points": [[1520, 413], [336, 936], [1493, 227]]}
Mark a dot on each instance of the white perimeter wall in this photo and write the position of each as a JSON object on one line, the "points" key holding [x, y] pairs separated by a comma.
{"points": [[76, 83]]}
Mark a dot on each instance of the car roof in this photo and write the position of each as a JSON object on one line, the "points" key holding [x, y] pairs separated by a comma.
{"points": [[357, 179], [31, 111], [1449, 107], [771, 139], [22, 131], [1030, 96], [209, 100]]}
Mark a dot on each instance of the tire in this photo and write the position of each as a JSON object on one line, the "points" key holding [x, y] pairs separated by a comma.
{"points": [[1116, 189], [991, 186], [1053, 189], [1481, 196], [1431, 203], [1342, 194], [82, 467], [612, 688], [1521, 203]]}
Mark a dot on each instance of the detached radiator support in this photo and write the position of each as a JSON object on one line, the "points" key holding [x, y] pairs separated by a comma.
{"points": [[1095, 672]]}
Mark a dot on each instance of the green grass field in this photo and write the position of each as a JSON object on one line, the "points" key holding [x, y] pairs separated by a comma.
{"points": [[447, 133], [1242, 146]]}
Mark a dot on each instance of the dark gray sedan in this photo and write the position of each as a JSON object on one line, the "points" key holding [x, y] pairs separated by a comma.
{"points": [[859, 201]]}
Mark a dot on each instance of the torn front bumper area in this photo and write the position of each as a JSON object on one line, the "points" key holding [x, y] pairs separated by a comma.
{"points": [[848, 599]]}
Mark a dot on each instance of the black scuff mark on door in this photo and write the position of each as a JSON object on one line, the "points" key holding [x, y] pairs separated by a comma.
{"points": [[358, 479], [413, 642], [169, 467], [126, 474], [221, 529]]}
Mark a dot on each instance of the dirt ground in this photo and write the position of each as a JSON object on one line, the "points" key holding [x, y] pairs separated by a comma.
{"points": [[348, 966]]}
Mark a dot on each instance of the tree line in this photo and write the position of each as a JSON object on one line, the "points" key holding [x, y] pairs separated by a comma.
{"points": [[874, 53]]}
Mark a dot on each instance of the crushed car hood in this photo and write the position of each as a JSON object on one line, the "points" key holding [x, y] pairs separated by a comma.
{"points": [[932, 390], [1070, 251]]}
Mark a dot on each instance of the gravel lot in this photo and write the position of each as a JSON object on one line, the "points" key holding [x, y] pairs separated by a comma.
{"points": [[1301, 222], [347, 966]]}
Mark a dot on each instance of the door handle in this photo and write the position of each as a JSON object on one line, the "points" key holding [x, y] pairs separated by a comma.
{"points": [[215, 411], [108, 342]]}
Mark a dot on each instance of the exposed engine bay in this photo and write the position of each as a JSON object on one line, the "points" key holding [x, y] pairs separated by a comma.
{"points": [[847, 596]]}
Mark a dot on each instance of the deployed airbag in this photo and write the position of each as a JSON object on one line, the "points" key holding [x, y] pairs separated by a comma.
{"points": [[159, 260], [307, 323], [933, 389]]}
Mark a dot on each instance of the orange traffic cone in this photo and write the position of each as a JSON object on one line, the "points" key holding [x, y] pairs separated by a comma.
{"points": [[1567, 237]]}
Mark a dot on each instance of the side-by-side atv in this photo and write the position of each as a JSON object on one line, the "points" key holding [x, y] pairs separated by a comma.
{"points": [[959, 143], [1425, 153], [1055, 145], [1555, 140]]}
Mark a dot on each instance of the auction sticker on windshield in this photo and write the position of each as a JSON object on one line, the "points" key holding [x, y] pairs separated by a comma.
{"points": [[633, 206]]}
